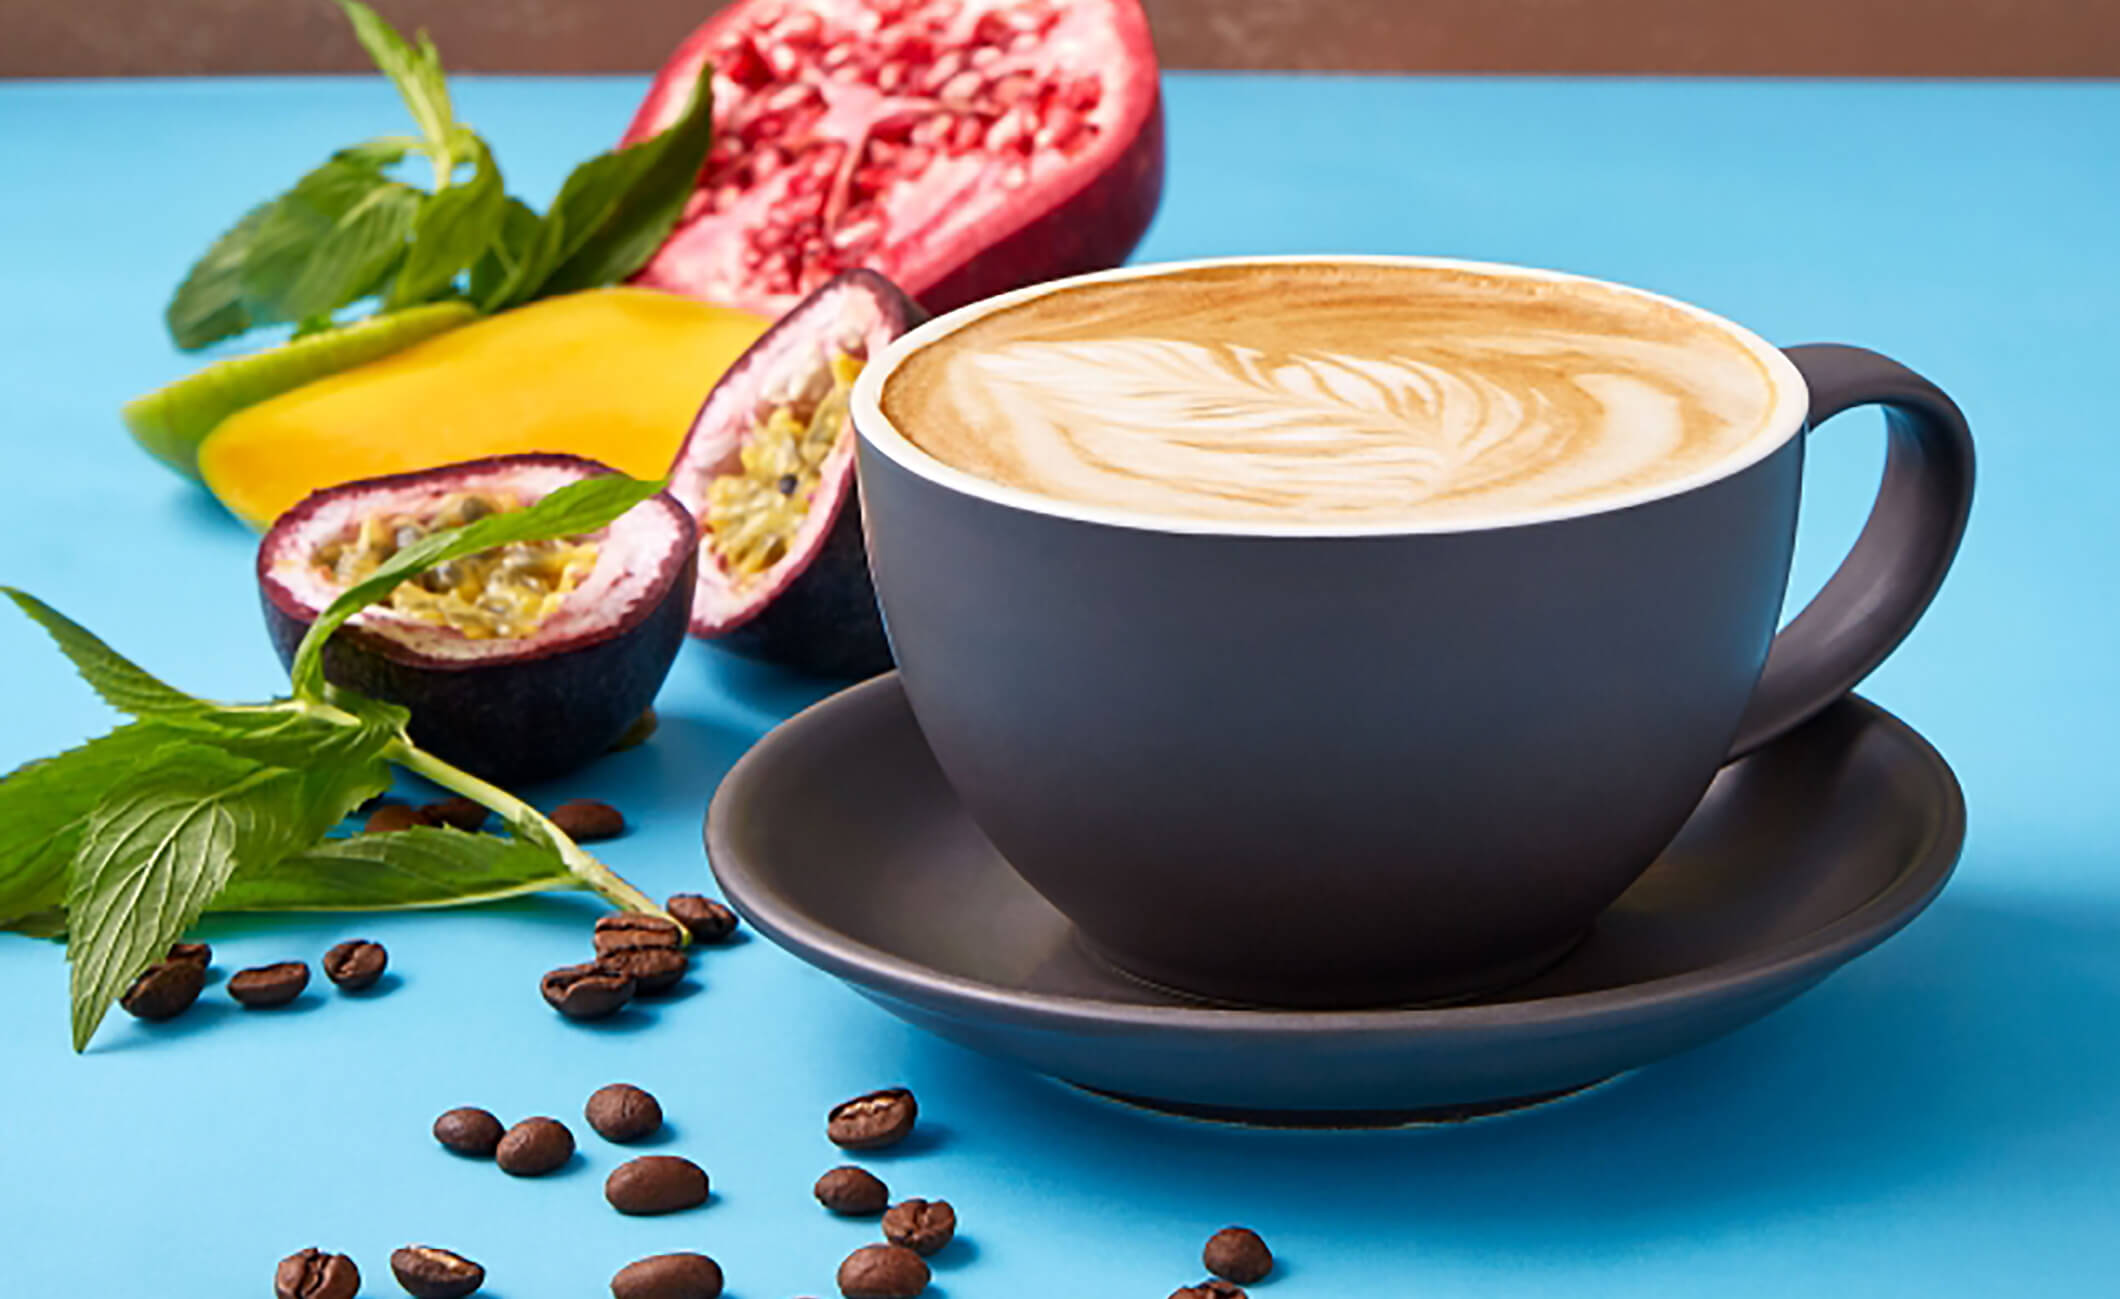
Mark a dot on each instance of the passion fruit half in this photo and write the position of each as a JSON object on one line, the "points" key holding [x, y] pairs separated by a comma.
{"points": [[768, 471], [519, 663]]}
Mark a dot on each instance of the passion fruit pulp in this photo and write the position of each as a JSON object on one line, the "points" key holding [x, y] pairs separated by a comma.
{"points": [[519, 663]]}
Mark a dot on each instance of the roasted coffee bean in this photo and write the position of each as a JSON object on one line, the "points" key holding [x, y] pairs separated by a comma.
{"points": [[654, 970], [1211, 1288], [852, 1192], [265, 986], [922, 1226], [198, 952], [705, 919], [355, 964], [883, 1272], [469, 1130], [668, 1276], [313, 1274], [430, 1273], [164, 990], [589, 991], [534, 1147], [622, 1112], [394, 816], [1237, 1254], [881, 1118], [656, 1184], [466, 814], [585, 820], [625, 931]]}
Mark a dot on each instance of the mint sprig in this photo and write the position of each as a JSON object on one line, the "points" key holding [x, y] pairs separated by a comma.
{"points": [[196, 805]]}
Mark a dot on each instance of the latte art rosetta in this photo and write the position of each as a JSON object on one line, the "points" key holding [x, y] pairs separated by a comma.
{"points": [[1351, 402]]}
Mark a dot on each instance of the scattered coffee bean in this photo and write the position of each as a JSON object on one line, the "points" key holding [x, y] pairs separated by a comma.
{"points": [[585, 820], [881, 1118], [164, 990], [355, 964], [883, 1272], [625, 931], [705, 919], [534, 1147], [394, 816], [264, 986], [1237, 1254], [623, 1113], [852, 1192], [468, 815], [922, 1226], [313, 1274], [469, 1130], [430, 1273], [656, 1184], [589, 991], [1210, 1289], [654, 970], [668, 1276], [198, 952]]}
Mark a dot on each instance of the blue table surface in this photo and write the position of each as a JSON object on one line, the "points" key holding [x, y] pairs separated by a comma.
{"points": [[1939, 1119]]}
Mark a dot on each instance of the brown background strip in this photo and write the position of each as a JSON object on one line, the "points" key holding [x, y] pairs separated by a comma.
{"points": [[2068, 38]]}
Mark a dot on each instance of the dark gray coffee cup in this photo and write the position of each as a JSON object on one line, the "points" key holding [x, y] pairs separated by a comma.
{"points": [[1300, 766]]}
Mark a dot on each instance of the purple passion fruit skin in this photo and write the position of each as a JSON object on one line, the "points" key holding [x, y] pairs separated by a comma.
{"points": [[787, 580], [526, 686]]}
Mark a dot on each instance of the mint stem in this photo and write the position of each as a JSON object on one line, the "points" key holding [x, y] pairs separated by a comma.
{"points": [[592, 873]]}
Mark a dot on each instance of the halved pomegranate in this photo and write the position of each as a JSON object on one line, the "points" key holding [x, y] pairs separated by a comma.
{"points": [[960, 147], [768, 470]]}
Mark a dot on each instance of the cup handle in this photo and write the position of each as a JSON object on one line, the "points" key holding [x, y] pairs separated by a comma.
{"points": [[1885, 584]]}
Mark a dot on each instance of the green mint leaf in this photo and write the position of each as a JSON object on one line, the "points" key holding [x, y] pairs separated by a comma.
{"points": [[330, 240], [508, 259], [402, 870], [616, 209], [453, 229], [416, 71], [44, 808], [578, 507], [156, 852], [49, 923], [124, 685], [208, 306]]}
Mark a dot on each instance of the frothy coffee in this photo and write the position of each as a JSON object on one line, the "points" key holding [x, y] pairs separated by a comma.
{"points": [[1332, 392]]}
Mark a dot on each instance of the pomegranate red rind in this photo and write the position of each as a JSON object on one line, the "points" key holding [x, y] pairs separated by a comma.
{"points": [[960, 147]]}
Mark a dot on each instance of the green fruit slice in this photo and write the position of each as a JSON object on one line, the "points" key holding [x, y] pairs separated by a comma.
{"points": [[172, 421]]}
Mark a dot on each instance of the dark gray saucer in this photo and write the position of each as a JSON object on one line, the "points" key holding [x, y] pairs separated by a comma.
{"points": [[839, 839]]}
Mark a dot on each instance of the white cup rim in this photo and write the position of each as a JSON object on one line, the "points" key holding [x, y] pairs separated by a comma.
{"points": [[1787, 414]]}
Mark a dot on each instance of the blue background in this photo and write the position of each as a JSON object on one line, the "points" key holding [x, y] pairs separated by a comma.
{"points": [[1940, 1119]]}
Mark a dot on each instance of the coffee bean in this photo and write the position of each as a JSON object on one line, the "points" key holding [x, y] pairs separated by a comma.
{"points": [[394, 816], [1237, 1254], [589, 991], [355, 964], [922, 1226], [654, 970], [883, 1272], [430, 1273], [668, 1276], [313, 1274], [1209, 1289], [585, 820], [705, 919], [469, 1130], [534, 1147], [623, 1113], [881, 1118], [264, 986], [852, 1192], [626, 931], [165, 989], [198, 952], [466, 814], [656, 1184]]}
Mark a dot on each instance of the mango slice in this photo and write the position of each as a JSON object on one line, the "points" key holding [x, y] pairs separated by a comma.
{"points": [[613, 374]]}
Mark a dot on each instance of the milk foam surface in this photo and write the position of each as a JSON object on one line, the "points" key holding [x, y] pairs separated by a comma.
{"points": [[1332, 393]]}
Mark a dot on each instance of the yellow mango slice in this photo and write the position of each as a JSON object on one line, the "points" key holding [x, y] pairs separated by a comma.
{"points": [[614, 374]]}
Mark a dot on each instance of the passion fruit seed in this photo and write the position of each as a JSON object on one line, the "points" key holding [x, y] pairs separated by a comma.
{"points": [[505, 592], [754, 511]]}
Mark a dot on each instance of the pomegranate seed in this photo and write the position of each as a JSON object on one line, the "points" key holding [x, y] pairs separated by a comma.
{"points": [[934, 129], [914, 161], [801, 29], [1016, 124], [862, 233], [1083, 93], [992, 29], [745, 66], [1061, 124], [1012, 89], [966, 133], [985, 56], [960, 89], [899, 127], [892, 77], [949, 65], [836, 57], [794, 95]]}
